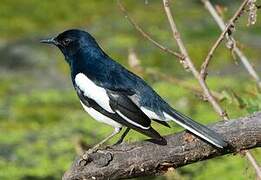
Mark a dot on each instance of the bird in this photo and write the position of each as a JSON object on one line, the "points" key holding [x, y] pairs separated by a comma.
{"points": [[113, 95]]}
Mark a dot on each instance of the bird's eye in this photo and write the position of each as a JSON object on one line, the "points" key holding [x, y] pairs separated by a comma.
{"points": [[66, 42]]}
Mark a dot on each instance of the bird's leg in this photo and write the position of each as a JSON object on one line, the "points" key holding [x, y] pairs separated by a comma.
{"points": [[85, 156], [116, 131], [122, 136]]}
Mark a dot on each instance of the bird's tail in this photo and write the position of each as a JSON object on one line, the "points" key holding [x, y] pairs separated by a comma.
{"points": [[196, 128]]}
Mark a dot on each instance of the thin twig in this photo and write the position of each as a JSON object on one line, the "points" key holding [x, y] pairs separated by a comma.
{"points": [[254, 163], [146, 35], [228, 27], [183, 84], [135, 65], [239, 53], [190, 64], [201, 80]]}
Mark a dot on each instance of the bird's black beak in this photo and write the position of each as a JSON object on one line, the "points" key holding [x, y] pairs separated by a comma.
{"points": [[49, 41]]}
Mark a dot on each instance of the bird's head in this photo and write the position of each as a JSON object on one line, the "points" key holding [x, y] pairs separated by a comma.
{"points": [[72, 41]]}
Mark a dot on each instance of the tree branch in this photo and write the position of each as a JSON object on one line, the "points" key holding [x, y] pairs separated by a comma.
{"points": [[146, 35], [239, 53], [134, 63], [230, 24], [146, 158]]}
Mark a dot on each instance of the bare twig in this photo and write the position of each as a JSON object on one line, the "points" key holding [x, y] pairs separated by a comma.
{"points": [[254, 163], [146, 35], [228, 27], [239, 53], [252, 14], [134, 63], [190, 64], [146, 158], [184, 84]]}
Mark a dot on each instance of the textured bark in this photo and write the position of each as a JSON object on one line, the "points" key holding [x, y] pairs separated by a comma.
{"points": [[147, 158]]}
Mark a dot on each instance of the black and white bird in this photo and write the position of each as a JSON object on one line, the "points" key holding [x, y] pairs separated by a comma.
{"points": [[113, 95]]}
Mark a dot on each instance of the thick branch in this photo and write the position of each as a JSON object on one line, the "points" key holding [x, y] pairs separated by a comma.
{"points": [[146, 158]]}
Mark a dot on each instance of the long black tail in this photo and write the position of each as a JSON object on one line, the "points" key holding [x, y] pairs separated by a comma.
{"points": [[196, 128]]}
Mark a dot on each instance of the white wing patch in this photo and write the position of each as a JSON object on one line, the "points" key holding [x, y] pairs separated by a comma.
{"points": [[151, 114], [100, 117], [130, 121], [92, 91]]}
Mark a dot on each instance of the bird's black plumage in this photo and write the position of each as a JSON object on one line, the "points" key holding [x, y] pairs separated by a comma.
{"points": [[106, 86], [148, 132]]}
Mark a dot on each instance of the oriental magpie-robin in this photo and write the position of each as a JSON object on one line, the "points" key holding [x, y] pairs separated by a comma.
{"points": [[113, 95]]}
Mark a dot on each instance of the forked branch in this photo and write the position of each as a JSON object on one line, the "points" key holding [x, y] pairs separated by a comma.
{"points": [[250, 69], [146, 35], [228, 28]]}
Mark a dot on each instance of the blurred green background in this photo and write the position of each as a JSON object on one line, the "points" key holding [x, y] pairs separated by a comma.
{"points": [[42, 122]]}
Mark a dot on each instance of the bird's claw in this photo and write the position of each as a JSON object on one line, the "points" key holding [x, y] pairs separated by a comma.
{"points": [[86, 158], [118, 142]]}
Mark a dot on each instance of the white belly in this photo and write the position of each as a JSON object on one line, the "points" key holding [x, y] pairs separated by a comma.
{"points": [[100, 117]]}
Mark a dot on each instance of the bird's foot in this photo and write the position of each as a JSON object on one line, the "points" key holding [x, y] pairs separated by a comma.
{"points": [[118, 142], [86, 158], [122, 137]]}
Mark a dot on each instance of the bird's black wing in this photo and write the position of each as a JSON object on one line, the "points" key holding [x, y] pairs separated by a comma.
{"points": [[125, 107], [119, 105]]}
